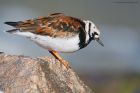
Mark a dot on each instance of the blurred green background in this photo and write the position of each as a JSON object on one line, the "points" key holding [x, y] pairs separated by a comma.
{"points": [[114, 68]]}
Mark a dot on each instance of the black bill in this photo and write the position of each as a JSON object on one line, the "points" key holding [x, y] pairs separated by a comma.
{"points": [[99, 41]]}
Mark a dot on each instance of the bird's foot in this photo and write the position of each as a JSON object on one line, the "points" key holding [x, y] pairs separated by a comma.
{"points": [[65, 63], [57, 56]]}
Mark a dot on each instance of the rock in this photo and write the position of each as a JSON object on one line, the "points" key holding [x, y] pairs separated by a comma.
{"points": [[21, 74]]}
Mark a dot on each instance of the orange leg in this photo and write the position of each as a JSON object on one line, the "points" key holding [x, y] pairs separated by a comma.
{"points": [[57, 56]]}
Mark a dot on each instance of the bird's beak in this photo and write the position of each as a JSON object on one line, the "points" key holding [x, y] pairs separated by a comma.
{"points": [[99, 41]]}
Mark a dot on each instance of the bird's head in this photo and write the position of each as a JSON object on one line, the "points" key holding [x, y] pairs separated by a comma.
{"points": [[93, 32]]}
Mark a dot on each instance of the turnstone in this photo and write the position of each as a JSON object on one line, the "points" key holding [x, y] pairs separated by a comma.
{"points": [[58, 33]]}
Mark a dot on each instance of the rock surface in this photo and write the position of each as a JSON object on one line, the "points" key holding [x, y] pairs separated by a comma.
{"points": [[21, 74]]}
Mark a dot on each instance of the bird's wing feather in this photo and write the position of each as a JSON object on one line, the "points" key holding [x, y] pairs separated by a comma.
{"points": [[54, 25]]}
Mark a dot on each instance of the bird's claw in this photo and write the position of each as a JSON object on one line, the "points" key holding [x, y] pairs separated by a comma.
{"points": [[66, 64]]}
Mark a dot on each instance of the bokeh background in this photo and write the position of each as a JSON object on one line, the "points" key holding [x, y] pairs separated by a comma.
{"points": [[114, 68]]}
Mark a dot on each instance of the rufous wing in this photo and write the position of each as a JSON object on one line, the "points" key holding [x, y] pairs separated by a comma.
{"points": [[54, 25]]}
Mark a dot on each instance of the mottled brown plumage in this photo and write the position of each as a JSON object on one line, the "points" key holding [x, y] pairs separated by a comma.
{"points": [[54, 25], [58, 33]]}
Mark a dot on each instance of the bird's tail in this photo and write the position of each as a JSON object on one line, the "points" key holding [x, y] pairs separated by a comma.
{"points": [[19, 29], [12, 31], [14, 24]]}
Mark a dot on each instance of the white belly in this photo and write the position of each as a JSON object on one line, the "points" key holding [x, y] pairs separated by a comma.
{"points": [[58, 44]]}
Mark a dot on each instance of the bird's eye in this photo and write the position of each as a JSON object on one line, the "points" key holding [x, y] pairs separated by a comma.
{"points": [[94, 35]]}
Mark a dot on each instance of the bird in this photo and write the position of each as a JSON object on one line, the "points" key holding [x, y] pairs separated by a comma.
{"points": [[57, 32]]}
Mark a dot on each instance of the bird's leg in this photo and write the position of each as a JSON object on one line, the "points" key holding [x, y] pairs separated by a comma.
{"points": [[57, 56]]}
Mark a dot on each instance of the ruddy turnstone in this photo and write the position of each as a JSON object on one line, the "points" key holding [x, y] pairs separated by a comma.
{"points": [[58, 33]]}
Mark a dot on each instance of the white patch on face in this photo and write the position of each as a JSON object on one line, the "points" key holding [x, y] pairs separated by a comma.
{"points": [[96, 36], [50, 43], [95, 29]]}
